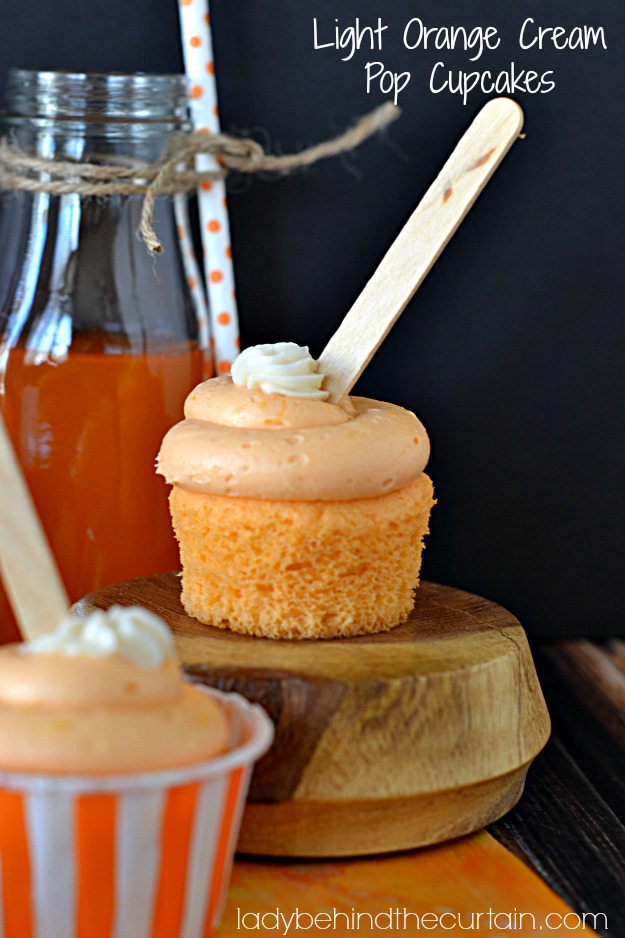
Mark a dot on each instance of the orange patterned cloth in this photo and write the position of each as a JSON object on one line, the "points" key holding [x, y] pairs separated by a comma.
{"points": [[454, 881]]}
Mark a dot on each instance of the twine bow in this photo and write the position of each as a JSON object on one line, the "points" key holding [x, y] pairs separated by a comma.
{"points": [[105, 176]]}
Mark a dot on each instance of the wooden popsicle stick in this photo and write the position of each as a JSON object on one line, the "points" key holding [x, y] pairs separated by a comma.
{"points": [[419, 244], [30, 574]]}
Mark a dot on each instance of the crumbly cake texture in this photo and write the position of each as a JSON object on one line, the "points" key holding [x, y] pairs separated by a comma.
{"points": [[295, 569]]}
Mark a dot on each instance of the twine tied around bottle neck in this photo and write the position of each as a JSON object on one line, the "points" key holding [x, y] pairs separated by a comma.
{"points": [[105, 176]]}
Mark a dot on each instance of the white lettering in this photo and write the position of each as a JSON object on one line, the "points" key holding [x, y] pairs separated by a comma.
{"points": [[443, 86], [579, 37], [351, 37], [449, 37], [319, 45], [394, 82]]}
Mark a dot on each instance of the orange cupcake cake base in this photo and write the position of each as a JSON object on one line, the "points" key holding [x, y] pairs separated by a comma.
{"points": [[301, 569]]}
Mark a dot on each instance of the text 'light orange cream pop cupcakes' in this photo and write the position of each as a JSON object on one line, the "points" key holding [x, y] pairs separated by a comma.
{"points": [[296, 517], [121, 786]]}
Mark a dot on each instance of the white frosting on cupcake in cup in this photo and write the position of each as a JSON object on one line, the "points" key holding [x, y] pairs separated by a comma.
{"points": [[130, 631]]}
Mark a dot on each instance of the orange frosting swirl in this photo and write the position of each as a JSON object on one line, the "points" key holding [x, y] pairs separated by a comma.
{"points": [[88, 715], [239, 441]]}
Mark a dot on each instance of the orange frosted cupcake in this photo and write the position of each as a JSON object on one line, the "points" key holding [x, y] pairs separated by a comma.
{"points": [[296, 518], [104, 697], [117, 779]]}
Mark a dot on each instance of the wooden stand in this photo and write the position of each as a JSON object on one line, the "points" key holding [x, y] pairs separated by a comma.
{"points": [[383, 742]]}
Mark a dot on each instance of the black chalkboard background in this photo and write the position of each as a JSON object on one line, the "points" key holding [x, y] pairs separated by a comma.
{"points": [[512, 351]]}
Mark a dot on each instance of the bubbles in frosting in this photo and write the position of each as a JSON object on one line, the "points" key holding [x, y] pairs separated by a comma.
{"points": [[129, 631], [334, 461], [279, 368]]}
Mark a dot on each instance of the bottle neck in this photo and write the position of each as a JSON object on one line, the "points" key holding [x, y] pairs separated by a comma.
{"points": [[71, 266], [76, 115]]}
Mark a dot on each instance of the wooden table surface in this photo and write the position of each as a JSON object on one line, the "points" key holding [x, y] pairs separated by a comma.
{"points": [[558, 856]]}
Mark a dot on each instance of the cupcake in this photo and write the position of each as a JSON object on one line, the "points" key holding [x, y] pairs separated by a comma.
{"points": [[296, 517], [121, 786]]}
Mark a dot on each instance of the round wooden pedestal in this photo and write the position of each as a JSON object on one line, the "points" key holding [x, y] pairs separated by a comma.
{"points": [[383, 742]]}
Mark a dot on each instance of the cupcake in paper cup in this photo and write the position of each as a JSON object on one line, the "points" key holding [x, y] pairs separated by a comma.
{"points": [[121, 786]]}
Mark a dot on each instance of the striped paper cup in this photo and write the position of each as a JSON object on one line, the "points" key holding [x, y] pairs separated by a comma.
{"points": [[146, 855]]}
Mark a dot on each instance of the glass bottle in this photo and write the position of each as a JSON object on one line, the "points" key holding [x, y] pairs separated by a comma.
{"points": [[98, 339]]}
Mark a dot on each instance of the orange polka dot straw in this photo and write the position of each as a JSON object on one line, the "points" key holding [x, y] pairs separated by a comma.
{"points": [[197, 47]]}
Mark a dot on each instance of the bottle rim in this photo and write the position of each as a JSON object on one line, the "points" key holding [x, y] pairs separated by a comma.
{"points": [[101, 96]]}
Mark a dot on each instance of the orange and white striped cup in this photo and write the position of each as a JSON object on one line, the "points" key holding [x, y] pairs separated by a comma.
{"points": [[146, 855]]}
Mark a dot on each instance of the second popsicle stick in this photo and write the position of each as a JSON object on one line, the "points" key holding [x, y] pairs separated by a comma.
{"points": [[28, 569], [419, 244]]}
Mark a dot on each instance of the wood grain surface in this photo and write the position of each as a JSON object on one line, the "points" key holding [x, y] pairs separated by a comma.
{"points": [[336, 827], [27, 567], [570, 824], [434, 722]]}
